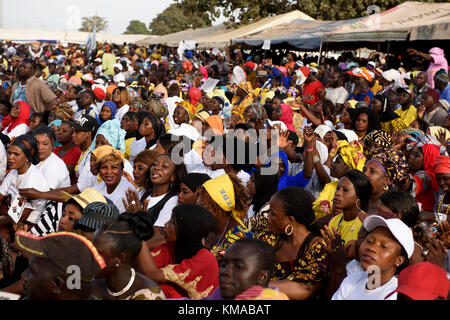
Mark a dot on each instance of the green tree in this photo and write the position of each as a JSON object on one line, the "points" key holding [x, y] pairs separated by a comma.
{"points": [[87, 24], [136, 27], [175, 19], [245, 11]]}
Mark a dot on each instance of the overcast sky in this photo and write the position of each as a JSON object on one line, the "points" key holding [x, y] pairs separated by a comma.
{"points": [[64, 15]]}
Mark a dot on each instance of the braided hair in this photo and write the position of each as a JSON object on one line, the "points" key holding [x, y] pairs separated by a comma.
{"points": [[297, 203]]}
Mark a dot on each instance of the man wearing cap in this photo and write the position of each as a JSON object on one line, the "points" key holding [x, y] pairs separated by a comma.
{"points": [[437, 61], [361, 91], [62, 266], [430, 110], [31, 90], [420, 87], [407, 112], [84, 127], [441, 85]]}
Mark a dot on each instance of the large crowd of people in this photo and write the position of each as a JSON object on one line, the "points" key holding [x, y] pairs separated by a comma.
{"points": [[223, 174]]}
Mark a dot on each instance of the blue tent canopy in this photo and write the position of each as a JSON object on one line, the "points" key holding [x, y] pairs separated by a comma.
{"points": [[301, 34]]}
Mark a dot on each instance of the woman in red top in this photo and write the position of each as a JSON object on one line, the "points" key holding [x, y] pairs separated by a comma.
{"points": [[68, 152], [182, 266], [421, 161]]}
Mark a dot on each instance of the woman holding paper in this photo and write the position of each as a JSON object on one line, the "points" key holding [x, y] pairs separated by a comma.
{"points": [[23, 156]]}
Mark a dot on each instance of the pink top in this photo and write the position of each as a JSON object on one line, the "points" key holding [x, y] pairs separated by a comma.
{"points": [[439, 63]]}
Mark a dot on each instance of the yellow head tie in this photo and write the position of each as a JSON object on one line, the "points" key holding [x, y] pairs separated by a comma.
{"points": [[221, 190]]}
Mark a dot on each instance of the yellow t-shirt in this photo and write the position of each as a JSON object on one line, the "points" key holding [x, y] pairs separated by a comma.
{"points": [[408, 115], [127, 147], [348, 229]]}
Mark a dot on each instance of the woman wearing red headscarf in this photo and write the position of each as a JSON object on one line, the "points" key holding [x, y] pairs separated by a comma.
{"points": [[442, 171], [421, 162], [195, 95], [20, 115]]}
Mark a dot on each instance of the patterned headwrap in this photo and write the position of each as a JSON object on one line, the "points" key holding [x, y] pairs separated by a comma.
{"points": [[393, 163], [246, 86], [221, 190], [352, 153], [188, 107], [113, 133], [380, 137], [63, 111], [259, 110]]}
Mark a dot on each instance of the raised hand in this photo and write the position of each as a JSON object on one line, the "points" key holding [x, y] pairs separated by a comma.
{"points": [[442, 137], [132, 203], [435, 252], [283, 138], [335, 248], [308, 136], [444, 234]]}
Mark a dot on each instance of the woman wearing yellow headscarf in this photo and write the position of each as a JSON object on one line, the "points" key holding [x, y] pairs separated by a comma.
{"points": [[346, 156], [226, 198], [243, 98]]}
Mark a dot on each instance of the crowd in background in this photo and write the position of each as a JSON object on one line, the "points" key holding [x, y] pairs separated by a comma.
{"points": [[164, 173]]}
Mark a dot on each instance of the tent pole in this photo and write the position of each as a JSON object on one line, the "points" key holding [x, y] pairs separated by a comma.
{"points": [[320, 50]]}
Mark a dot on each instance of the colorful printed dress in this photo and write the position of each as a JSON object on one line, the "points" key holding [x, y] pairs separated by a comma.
{"points": [[311, 265], [196, 277], [236, 233]]}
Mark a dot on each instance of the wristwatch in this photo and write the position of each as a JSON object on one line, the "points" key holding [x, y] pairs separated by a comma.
{"points": [[316, 159]]}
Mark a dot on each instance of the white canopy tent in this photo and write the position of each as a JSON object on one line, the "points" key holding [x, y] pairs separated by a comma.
{"points": [[66, 36], [219, 36], [418, 20]]}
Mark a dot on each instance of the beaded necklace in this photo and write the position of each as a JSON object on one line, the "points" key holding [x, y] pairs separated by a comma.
{"points": [[440, 204]]}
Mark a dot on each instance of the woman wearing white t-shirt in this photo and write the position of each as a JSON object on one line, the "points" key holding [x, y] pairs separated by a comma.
{"points": [[165, 176], [383, 254], [20, 114], [150, 129], [51, 166], [22, 157], [114, 184], [121, 97]]}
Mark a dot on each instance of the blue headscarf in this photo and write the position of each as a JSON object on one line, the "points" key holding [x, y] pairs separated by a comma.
{"points": [[112, 132], [56, 123], [286, 180], [111, 105]]}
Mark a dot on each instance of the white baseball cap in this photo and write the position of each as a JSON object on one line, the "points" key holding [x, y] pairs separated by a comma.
{"points": [[118, 66], [397, 227]]}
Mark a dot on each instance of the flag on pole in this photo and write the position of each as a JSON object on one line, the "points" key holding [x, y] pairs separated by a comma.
{"points": [[91, 42]]}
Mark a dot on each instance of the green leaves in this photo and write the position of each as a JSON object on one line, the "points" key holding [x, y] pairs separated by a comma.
{"points": [[245, 11], [87, 24], [175, 19], [136, 27]]}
